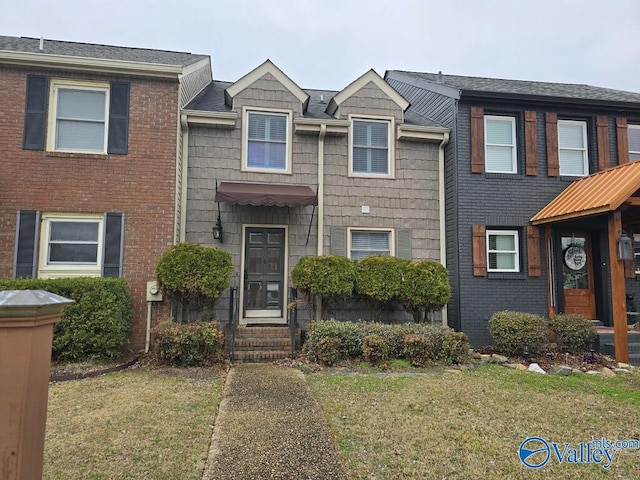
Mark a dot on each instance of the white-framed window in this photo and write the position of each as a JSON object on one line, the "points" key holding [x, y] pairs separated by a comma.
{"points": [[267, 141], [633, 132], [371, 152], [572, 148], [500, 144], [365, 242], [503, 253], [79, 119], [71, 245]]}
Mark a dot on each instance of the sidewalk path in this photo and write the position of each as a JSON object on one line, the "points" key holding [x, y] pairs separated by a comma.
{"points": [[269, 426]]}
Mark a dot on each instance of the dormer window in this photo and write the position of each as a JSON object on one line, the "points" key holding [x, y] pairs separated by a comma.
{"points": [[370, 147], [267, 145]]}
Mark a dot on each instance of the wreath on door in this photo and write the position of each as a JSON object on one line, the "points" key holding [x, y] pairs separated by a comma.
{"points": [[575, 257]]}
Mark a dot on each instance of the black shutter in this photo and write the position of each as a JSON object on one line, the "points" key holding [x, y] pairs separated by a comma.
{"points": [[113, 245], [25, 259], [35, 113], [119, 118]]}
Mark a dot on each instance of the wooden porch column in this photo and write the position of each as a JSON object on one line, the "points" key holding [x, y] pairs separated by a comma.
{"points": [[618, 291]]}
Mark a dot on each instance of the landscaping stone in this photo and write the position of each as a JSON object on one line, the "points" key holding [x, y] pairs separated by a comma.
{"points": [[593, 372], [485, 358], [621, 371], [521, 367], [499, 359], [607, 372], [561, 370], [511, 365], [624, 365], [576, 371], [534, 367], [452, 370]]}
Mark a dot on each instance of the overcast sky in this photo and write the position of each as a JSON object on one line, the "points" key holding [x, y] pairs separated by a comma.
{"points": [[328, 44]]}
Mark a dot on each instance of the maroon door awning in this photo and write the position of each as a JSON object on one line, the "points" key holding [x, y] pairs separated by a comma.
{"points": [[268, 194]]}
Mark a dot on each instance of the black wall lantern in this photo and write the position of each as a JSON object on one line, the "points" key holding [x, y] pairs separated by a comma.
{"points": [[217, 228], [625, 247]]}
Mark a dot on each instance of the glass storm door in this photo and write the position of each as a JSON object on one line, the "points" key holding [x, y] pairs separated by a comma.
{"points": [[264, 272], [577, 275]]}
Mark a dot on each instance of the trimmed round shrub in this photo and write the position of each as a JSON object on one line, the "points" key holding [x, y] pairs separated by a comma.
{"points": [[375, 349], [194, 274], [332, 277], [189, 344], [421, 350], [455, 347], [518, 333], [379, 280], [575, 334], [425, 288]]}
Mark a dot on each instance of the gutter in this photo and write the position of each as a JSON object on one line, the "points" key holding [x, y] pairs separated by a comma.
{"points": [[442, 212]]}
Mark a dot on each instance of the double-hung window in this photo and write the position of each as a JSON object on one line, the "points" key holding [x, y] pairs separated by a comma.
{"points": [[71, 245], [572, 148], [634, 142], [267, 141], [500, 144], [79, 119], [370, 147], [503, 251], [363, 243]]}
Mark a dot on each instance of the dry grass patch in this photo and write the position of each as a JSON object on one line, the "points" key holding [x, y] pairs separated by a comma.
{"points": [[136, 424], [470, 425]]}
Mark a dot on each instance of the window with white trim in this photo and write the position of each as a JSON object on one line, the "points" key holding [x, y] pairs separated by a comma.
{"points": [[267, 141], [363, 243], [503, 251], [572, 148], [79, 118], [634, 142], [500, 144], [370, 147], [71, 245]]}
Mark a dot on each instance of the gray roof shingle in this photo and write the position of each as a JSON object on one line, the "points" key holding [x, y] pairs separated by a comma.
{"points": [[211, 99], [525, 88], [141, 55]]}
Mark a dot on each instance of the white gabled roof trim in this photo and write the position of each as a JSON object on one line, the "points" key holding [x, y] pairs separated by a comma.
{"points": [[86, 64], [259, 72], [353, 87]]}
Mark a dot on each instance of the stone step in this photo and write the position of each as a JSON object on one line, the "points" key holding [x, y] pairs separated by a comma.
{"points": [[268, 343], [610, 347], [262, 332], [260, 355]]}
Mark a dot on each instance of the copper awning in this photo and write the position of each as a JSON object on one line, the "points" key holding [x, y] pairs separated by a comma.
{"points": [[601, 192], [269, 194]]}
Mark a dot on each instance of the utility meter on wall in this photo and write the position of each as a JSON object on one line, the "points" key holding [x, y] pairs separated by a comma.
{"points": [[153, 292]]}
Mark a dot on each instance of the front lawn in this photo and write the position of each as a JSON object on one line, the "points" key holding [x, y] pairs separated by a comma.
{"points": [[136, 424], [470, 424]]}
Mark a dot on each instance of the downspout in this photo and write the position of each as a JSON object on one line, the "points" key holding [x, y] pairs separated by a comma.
{"points": [[185, 171], [442, 213], [323, 132]]}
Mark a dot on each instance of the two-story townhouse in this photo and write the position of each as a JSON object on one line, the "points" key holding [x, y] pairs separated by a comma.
{"points": [[535, 211], [287, 172], [91, 160]]}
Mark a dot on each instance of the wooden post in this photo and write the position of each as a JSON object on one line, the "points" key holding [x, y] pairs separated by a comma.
{"points": [[551, 310], [618, 291]]}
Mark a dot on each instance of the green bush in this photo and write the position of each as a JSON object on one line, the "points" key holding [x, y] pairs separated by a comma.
{"points": [[455, 347], [332, 277], [425, 288], [188, 344], [351, 336], [379, 281], [194, 274], [375, 349], [328, 350], [575, 334], [517, 333], [96, 326], [422, 349]]}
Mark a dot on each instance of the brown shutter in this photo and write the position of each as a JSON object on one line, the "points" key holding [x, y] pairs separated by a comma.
{"points": [[477, 140], [533, 251], [479, 251], [602, 125], [623, 140], [530, 141], [553, 163]]}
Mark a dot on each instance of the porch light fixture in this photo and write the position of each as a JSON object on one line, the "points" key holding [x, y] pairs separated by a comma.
{"points": [[217, 229], [625, 248]]}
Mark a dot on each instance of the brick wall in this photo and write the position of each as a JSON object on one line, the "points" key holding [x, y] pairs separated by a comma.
{"points": [[140, 184]]}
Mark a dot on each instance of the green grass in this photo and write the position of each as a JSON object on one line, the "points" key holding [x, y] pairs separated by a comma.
{"points": [[469, 425], [136, 424]]}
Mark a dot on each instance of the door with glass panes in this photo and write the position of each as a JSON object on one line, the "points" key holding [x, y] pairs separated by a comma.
{"points": [[264, 272]]}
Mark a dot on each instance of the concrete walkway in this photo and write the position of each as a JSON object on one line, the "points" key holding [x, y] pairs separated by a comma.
{"points": [[269, 426]]}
